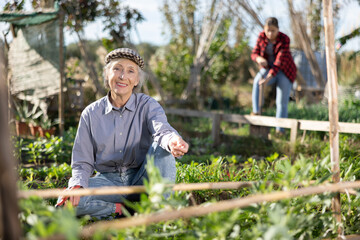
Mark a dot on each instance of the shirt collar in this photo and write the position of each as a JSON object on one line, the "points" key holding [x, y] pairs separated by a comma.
{"points": [[130, 105]]}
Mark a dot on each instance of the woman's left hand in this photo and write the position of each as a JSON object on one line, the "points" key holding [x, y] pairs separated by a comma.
{"points": [[265, 80], [178, 146]]}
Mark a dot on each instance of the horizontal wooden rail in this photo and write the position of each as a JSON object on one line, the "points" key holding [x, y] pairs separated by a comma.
{"points": [[226, 205], [292, 124], [54, 193], [324, 126]]}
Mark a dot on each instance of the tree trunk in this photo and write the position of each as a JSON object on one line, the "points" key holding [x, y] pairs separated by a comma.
{"points": [[47, 4], [156, 84], [245, 5], [304, 42], [9, 223], [210, 26], [90, 66]]}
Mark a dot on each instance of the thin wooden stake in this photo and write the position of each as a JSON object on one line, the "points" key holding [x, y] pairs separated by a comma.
{"points": [[196, 211], [333, 103]]}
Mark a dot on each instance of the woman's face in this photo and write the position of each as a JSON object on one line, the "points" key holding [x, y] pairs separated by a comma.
{"points": [[123, 76], [271, 32]]}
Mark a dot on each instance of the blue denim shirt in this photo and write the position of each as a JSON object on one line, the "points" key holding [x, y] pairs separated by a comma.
{"points": [[110, 139]]}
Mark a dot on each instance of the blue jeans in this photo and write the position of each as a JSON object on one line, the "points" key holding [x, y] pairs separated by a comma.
{"points": [[104, 205], [283, 88]]}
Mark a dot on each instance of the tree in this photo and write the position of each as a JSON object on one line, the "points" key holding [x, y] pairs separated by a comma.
{"points": [[304, 43], [343, 40], [14, 5], [193, 33], [210, 25], [200, 55], [118, 20]]}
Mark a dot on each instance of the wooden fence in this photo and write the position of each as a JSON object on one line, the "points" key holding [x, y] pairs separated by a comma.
{"points": [[192, 211], [293, 124]]}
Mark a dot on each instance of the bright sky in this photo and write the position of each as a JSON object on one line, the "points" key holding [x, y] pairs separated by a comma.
{"points": [[151, 30]]}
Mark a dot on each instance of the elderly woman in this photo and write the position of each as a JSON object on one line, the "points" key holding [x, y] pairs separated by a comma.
{"points": [[272, 54], [115, 135]]}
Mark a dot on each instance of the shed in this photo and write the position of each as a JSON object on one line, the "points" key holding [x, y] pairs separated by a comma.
{"points": [[304, 69], [35, 61]]}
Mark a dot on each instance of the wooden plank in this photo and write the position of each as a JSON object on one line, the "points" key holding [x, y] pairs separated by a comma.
{"points": [[325, 126], [188, 113], [270, 121], [215, 131], [310, 125], [314, 125], [349, 127], [260, 120]]}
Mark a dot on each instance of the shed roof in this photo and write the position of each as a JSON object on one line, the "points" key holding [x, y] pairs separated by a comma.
{"points": [[29, 18]]}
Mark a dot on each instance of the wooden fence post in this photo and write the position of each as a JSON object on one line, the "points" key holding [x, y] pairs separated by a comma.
{"points": [[333, 103], [215, 131], [293, 131], [9, 222], [61, 66]]}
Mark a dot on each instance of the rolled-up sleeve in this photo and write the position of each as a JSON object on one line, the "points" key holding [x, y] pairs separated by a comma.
{"points": [[82, 160], [158, 125]]}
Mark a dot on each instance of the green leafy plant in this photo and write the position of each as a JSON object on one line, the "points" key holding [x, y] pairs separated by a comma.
{"points": [[23, 112], [39, 220]]}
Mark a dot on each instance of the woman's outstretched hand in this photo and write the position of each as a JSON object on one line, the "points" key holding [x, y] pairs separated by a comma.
{"points": [[178, 146]]}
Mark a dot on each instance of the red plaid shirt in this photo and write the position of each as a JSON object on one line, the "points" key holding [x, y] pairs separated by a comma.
{"points": [[283, 59]]}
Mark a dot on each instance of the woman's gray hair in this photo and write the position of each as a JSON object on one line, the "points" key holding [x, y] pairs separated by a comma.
{"points": [[141, 75]]}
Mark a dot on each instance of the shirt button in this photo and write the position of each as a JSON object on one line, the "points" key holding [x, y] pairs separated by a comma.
{"points": [[121, 116], [120, 151], [120, 133]]}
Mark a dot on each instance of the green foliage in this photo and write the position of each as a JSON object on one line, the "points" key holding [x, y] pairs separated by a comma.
{"points": [[297, 218], [355, 33], [171, 64], [14, 5], [55, 176], [52, 149], [24, 113], [40, 220], [117, 19]]}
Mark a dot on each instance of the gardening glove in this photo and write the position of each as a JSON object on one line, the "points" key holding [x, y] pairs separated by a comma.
{"points": [[61, 200]]}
